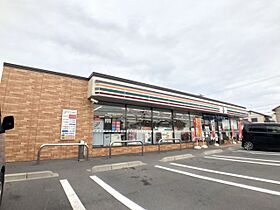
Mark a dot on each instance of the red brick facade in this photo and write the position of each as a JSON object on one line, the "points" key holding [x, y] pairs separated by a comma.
{"points": [[36, 100]]}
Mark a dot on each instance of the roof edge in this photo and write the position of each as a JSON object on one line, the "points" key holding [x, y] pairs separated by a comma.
{"points": [[43, 71], [259, 113], [275, 108]]}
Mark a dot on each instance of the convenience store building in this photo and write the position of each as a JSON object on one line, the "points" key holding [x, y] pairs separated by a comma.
{"points": [[52, 107]]}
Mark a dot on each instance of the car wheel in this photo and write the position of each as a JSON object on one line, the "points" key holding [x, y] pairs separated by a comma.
{"points": [[248, 145]]}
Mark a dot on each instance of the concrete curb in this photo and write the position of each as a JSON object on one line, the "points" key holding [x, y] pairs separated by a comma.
{"points": [[186, 156], [115, 166], [214, 151], [29, 176], [176, 157]]}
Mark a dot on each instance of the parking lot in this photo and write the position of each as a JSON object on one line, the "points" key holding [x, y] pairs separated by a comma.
{"points": [[232, 179]]}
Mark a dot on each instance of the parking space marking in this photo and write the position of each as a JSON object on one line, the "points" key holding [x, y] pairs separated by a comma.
{"points": [[245, 158], [257, 189], [124, 200], [258, 153], [228, 174], [243, 161], [71, 195]]}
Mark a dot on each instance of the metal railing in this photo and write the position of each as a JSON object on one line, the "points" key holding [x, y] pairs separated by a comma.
{"points": [[125, 141], [168, 140], [60, 144]]}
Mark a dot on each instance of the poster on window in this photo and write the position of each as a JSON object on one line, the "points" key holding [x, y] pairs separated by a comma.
{"points": [[116, 137], [68, 124], [98, 124], [107, 124]]}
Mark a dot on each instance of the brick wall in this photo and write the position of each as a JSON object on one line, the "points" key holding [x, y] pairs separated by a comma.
{"points": [[36, 100]]}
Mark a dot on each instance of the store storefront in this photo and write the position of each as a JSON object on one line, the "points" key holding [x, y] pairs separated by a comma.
{"points": [[138, 111], [103, 109]]}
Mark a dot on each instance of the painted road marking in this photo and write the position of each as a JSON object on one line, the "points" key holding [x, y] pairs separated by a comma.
{"points": [[228, 174], [243, 161], [71, 195], [258, 153], [245, 158], [124, 200], [257, 189]]}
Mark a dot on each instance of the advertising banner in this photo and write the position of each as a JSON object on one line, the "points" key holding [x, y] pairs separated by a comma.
{"points": [[232, 129], [199, 127], [213, 130], [240, 128], [68, 124]]}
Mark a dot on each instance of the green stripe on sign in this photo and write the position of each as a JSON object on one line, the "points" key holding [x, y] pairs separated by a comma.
{"points": [[156, 98]]}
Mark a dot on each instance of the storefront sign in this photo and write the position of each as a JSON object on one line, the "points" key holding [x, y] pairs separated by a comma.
{"points": [[142, 94], [68, 125]]}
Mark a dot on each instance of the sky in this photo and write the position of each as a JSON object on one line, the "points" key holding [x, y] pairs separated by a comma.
{"points": [[222, 49]]}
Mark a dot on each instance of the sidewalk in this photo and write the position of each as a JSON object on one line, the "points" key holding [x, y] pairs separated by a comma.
{"points": [[58, 166]]}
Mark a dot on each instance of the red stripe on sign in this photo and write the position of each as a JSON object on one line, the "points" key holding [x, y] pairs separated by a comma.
{"points": [[71, 116]]}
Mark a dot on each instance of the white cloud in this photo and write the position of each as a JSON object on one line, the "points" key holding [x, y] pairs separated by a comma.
{"points": [[195, 46]]}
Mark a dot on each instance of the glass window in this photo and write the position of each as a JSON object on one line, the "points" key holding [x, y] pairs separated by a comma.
{"points": [[273, 129], [108, 124], [254, 119], [182, 126], [139, 124], [207, 128], [162, 125], [258, 129], [223, 128], [225, 124]]}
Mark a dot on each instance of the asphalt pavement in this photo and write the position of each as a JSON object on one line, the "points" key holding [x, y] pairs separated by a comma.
{"points": [[229, 179]]}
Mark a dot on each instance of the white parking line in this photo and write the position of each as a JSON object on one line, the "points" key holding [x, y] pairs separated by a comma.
{"points": [[124, 200], [228, 174], [243, 161], [71, 195], [258, 153], [257, 189], [245, 158]]}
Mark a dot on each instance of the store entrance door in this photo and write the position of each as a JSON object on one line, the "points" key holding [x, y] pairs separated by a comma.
{"points": [[210, 129]]}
